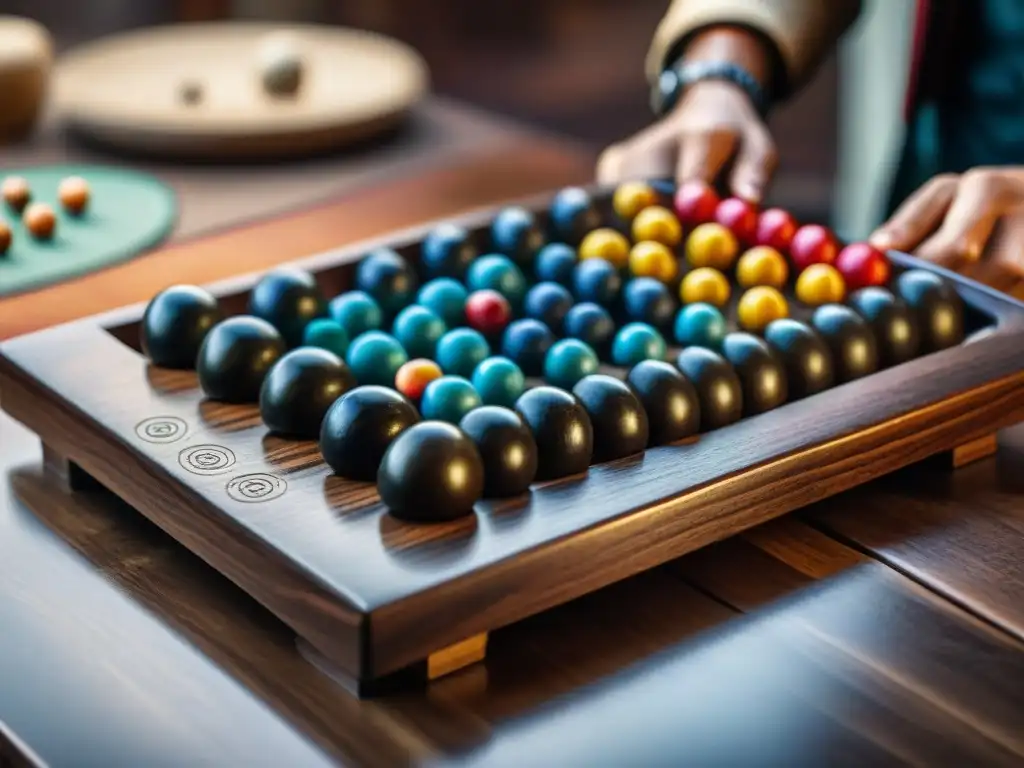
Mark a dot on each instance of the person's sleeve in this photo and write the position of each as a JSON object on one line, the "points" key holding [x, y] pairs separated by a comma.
{"points": [[803, 32]]}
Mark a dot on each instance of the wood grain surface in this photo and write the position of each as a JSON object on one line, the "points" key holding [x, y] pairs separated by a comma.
{"points": [[376, 596]]}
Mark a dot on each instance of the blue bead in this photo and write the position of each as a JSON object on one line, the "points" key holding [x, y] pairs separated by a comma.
{"points": [[635, 343], [573, 214], [447, 251], [516, 233], [568, 361], [555, 263], [499, 381], [375, 358], [549, 303], [460, 351], [448, 398], [596, 280], [700, 325], [526, 343], [357, 312], [498, 273], [446, 298], [418, 330], [326, 334], [590, 323], [388, 278], [647, 300]]}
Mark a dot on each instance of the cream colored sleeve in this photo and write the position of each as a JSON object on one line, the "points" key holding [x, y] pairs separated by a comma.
{"points": [[803, 31]]}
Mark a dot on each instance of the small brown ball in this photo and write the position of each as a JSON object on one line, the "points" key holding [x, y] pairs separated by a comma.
{"points": [[17, 192], [191, 92], [40, 220], [74, 194], [5, 238]]}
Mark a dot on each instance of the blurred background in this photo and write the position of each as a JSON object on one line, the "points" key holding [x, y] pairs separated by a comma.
{"points": [[574, 67]]}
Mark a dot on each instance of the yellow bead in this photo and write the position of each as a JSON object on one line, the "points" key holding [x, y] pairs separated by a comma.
{"points": [[631, 197], [760, 306], [606, 243], [707, 285], [659, 224], [820, 284], [712, 245], [651, 259], [762, 265]]}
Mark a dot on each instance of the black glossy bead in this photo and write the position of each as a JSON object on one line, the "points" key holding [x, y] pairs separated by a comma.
{"points": [[616, 414], [573, 215], [289, 299], [431, 473], [849, 338], [894, 323], [761, 372], [507, 448], [717, 385], [359, 427], [805, 354], [175, 323], [236, 356], [300, 388], [447, 251], [939, 309], [561, 428], [669, 399], [388, 278], [516, 233], [526, 343], [646, 300], [549, 303]]}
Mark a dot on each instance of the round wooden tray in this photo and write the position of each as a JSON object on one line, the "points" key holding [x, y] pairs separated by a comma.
{"points": [[126, 90]]}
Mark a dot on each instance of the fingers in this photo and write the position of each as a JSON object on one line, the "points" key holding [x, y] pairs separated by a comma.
{"points": [[702, 155], [755, 164], [650, 154], [918, 217], [981, 199], [1002, 267]]}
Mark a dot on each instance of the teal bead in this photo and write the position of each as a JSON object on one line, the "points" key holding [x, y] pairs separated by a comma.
{"points": [[418, 330], [449, 398], [446, 298], [499, 381], [498, 273], [375, 358], [357, 312], [700, 325], [326, 334], [460, 351], [568, 361], [635, 343]]}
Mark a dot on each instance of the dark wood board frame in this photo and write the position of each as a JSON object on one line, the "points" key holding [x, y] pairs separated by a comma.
{"points": [[379, 600]]}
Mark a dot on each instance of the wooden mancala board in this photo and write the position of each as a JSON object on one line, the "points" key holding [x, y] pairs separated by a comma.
{"points": [[381, 602]]}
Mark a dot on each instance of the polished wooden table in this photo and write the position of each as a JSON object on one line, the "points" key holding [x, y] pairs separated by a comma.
{"points": [[885, 627]]}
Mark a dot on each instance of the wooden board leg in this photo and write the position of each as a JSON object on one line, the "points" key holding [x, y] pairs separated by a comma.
{"points": [[973, 451], [455, 657], [66, 472]]}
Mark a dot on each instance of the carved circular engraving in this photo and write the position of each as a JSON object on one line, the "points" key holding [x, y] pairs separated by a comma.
{"points": [[256, 487], [206, 459], [161, 429]]}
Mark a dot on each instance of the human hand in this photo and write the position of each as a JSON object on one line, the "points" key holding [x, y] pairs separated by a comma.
{"points": [[972, 223], [712, 125]]}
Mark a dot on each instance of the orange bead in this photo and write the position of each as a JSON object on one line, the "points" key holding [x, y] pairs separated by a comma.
{"points": [[5, 238], [40, 220], [16, 192], [74, 194], [413, 377]]}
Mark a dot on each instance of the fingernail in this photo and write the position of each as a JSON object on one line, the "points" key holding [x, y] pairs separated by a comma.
{"points": [[882, 240], [748, 192]]}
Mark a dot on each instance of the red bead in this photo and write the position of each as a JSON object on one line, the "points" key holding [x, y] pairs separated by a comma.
{"points": [[812, 244], [775, 228], [695, 203], [488, 311], [862, 265], [739, 216]]}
